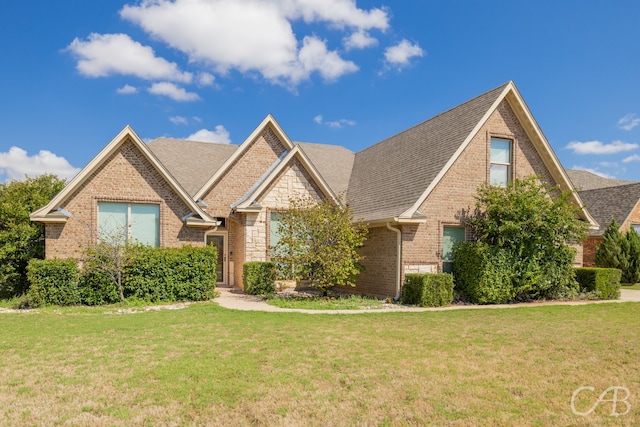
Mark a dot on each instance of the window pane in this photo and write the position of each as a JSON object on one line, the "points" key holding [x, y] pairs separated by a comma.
{"points": [[636, 227], [499, 175], [274, 229], [500, 151], [145, 224], [112, 221], [451, 236]]}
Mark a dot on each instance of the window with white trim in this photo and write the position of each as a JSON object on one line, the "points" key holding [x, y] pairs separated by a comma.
{"points": [[137, 222], [500, 158]]}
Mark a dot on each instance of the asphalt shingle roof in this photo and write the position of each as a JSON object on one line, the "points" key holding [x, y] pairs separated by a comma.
{"points": [[333, 162], [390, 176], [191, 163], [584, 180], [610, 202]]}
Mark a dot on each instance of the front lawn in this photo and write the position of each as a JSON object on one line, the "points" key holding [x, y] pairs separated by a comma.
{"points": [[205, 365]]}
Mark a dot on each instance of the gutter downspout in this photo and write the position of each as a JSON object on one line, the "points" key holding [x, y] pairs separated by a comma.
{"points": [[398, 259]]}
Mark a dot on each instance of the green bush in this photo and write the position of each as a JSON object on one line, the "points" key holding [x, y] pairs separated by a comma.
{"points": [[53, 282], [96, 288], [483, 273], [603, 282], [259, 278], [170, 274], [428, 290]]}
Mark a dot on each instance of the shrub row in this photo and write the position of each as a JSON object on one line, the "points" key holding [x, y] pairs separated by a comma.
{"points": [[493, 275], [258, 278], [428, 290], [603, 282], [150, 274]]}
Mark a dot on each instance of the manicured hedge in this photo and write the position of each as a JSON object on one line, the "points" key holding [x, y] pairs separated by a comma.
{"points": [[259, 278], [428, 290], [53, 282], [171, 274], [483, 274], [603, 282]]}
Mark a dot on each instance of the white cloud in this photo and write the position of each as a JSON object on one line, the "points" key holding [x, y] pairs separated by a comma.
{"points": [[178, 120], [172, 91], [224, 34], [597, 147], [104, 55], [219, 135], [400, 55], [359, 40], [16, 163], [594, 171], [629, 121], [205, 79], [314, 56], [340, 123], [632, 158], [127, 90]]}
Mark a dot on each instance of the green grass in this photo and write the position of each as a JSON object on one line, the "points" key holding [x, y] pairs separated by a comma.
{"points": [[205, 365], [635, 287], [350, 302]]}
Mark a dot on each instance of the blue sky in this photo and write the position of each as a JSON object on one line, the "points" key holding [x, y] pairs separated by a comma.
{"points": [[351, 73]]}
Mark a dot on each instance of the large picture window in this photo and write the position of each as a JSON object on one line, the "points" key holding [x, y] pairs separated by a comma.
{"points": [[500, 168], [137, 222]]}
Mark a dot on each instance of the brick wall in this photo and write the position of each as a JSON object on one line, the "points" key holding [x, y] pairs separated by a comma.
{"points": [[379, 275], [128, 177], [422, 245]]}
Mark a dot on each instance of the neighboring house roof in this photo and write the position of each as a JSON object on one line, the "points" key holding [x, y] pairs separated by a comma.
{"points": [[52, 212], [191, 162], [617, 202], [391, 179], [585, 180]]}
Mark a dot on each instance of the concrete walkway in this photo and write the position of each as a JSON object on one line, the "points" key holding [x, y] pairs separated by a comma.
{"points": [[235, 299]]}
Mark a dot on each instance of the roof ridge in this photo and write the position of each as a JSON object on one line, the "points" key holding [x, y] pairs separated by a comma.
{"points": [[455, 107]]}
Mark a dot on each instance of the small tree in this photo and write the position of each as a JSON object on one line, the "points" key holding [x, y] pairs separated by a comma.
{"points": [[20, 239], [319, 242], [633, 244], [534, 226], [109, 257], [620, 251]]}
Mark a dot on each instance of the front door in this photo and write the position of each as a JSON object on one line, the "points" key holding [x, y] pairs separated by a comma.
{"points": [[219, 240]]}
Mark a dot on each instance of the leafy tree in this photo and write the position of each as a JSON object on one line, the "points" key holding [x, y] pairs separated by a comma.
{"points": [[319, 242], [21, 239], [535, 225]]}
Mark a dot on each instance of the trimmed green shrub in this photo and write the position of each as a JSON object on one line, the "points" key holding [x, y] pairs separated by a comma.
{"points": [[428, 290], [603, 282], [96, 288], [483, 273], [53, 282], [171, 274], [259, 278]]}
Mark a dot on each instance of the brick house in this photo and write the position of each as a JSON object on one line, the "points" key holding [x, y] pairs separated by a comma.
{"points": [[606, 199], [410, 189]]}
